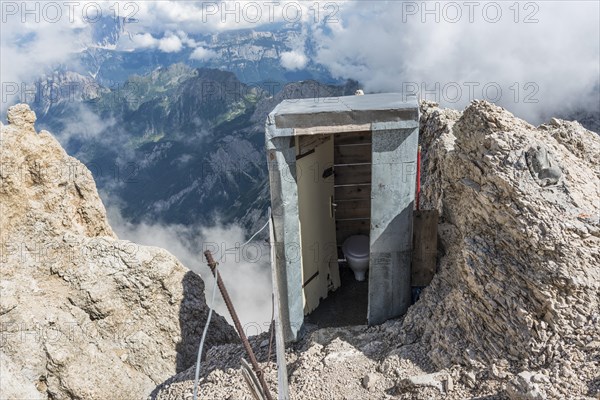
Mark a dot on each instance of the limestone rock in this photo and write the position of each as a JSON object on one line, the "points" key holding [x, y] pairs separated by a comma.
{"points": [[542, 165], [522, 387], [42, 187], [434, 380], [370, 380], [83, 314], [21, 116], [15, 384], [520, 278]]}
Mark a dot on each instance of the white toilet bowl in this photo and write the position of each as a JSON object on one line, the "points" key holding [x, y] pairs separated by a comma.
{"points": [[356, 251]]}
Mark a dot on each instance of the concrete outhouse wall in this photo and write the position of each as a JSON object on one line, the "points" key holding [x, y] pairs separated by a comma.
{"points": [[392, 200]]}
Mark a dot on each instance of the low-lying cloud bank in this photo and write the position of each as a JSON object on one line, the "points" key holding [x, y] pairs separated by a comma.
{"points": [[245, 271]]}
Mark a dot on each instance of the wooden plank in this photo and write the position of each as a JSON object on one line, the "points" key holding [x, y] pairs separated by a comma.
{"points": [[352, 154], [329, 130], [352, 138], [352, 192], [424, 247], [352, 209], [345, 229], [353, 174]]}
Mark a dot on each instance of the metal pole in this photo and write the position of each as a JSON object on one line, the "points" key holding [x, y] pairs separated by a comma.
{"points": [[418, 194], [238, 326], [283, 391]]}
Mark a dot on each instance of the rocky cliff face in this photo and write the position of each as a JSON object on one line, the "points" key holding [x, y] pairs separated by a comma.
{"points": [[513, 311], [82, 314]]}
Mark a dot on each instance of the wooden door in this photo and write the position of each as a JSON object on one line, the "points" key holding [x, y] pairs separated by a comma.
{"points": [[314, 168]]}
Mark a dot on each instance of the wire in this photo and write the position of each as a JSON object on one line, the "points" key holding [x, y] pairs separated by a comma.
{"points": [[272, 327], [212, 302], [253, 236], [204, 332]]}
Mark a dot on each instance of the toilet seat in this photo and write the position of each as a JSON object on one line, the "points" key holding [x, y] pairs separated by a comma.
{"points": [[356, 246]]}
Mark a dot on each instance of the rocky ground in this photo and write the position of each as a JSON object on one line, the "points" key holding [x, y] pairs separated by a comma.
{"points": [[83, 315], [513, 311]]}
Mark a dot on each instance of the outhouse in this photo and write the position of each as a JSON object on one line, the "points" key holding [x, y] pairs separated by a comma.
{"points": [[342, 167]]}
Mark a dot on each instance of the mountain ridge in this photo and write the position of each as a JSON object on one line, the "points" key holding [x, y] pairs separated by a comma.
{"points": [[179, 145]]}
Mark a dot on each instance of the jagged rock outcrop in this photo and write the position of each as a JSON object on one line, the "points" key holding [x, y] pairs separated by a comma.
{"points": [[83, 315], [514, 309], [520, 283]]}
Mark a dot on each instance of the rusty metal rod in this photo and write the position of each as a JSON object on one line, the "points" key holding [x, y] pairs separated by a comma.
{"points": [[238, 326]]}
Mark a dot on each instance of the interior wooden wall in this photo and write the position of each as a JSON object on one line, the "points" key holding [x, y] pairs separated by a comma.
{"points": [[352, 165]]}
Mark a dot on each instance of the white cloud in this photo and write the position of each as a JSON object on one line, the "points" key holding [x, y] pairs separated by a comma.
{"points": [[86, 125], [32, 48], [143, 40], [246, 271], [218, 16], [201, 53], [170, 44], [28, 50], [186, 40], [293, 60], [554, 61]]}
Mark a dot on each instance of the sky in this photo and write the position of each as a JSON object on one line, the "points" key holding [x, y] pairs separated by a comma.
{"points": [[535, 58]]}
